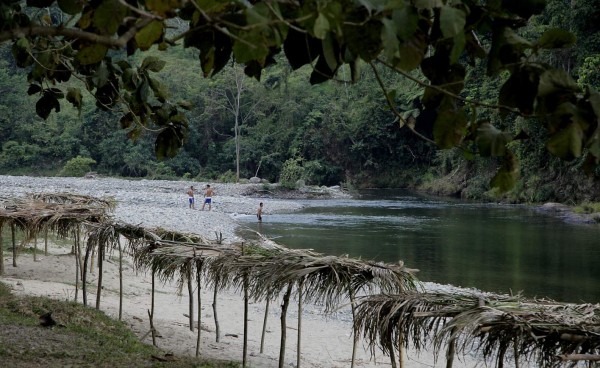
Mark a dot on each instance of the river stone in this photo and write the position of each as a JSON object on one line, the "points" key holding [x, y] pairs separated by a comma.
{"points": [[255, 180]]}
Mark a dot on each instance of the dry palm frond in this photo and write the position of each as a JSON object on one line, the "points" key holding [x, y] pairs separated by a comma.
{"points": [[108, 204], [541, 330], [326, 278]]}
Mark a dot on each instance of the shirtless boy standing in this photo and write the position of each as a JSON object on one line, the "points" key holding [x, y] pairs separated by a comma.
{"points": [[208, 193], [190, 194]]}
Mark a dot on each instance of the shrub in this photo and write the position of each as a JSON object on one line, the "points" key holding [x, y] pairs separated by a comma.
{"points": [[227, 177], [78, 166], [291, 172], [163, 172]]}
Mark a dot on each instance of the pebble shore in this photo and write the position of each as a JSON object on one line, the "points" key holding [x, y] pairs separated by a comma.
{"points": [[163, 203]]}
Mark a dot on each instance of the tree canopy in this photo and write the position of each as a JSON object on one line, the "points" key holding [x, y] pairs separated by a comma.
{"points": [[430, 42]]}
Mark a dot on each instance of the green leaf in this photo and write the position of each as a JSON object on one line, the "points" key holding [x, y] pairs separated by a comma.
{"points": [[452, 21], [491, 141], [321, 27], [167, 144], [160, 90], [163, 7], [143, 91], [554, 81], [130, 79], [524, 8], [126, 120], [44, 105], [449, 128], [458, 46], [300, 48], [101, 75], [389, 39], [109, 16], [253, 48], [71, 7], [74, 97], [91, 54], [33, 89], [428, 4], [506, 177], [566, 143], [330, 52], [520, 90], [148, 35], [555, 38], [406, 21], [153, 64]]}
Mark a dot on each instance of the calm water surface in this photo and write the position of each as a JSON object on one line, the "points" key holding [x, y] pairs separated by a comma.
{"points": [[495, 248]]}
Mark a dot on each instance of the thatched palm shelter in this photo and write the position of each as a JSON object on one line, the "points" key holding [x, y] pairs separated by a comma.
{"points": [[62, 215], [542, 331]]}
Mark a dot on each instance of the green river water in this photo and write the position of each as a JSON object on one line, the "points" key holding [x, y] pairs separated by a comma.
{"points": [[497, 248]]}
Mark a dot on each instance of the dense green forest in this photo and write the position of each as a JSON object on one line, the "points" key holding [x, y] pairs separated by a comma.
{"points": [[285, 129]]}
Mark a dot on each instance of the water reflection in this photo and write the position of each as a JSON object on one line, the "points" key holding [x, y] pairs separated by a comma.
{"points": [[492, 247]]}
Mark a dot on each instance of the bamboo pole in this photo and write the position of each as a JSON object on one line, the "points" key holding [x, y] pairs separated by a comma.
{"points": [[516, 353], [190, 297], [120, 277], [92, 262], [284, 307], [214, 305], [199, 288], [1, 251], [245, 348], [14, 244], [264, 329], [100, 266], [392, 355], [299, 343]]}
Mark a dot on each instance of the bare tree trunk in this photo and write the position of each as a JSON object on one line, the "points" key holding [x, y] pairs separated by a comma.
{"points": [[14, 244], [214, 305], [284, 307], [191, 298], [264, 329]]}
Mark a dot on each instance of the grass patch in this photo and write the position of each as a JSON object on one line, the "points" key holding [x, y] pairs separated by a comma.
{"points": [[83, 337]]}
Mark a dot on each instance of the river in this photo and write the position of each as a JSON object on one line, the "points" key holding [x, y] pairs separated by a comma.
{"points": [[497, 248]]}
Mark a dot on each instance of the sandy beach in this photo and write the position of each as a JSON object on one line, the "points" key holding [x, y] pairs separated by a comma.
{"points": [[326, 339]]}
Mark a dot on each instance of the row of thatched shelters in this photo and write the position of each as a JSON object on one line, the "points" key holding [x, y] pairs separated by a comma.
{"points": [[392, 311]]}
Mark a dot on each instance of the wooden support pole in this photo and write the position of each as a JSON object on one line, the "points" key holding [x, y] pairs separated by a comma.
{"points": [[284, 307], [199, 289], [579, 357], [190, 298], [150, 313], [100, 266], [264, 329], [77, 265], [451, 348], [299, 343], [355, 335], [14, 244], [214, 306], [46, 241], [120, 278], [35, 248], [1, 251], [84, 276], [245, 348]]}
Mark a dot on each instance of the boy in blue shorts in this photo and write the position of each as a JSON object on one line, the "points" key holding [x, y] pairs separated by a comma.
{"points": [[208, 193]]}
